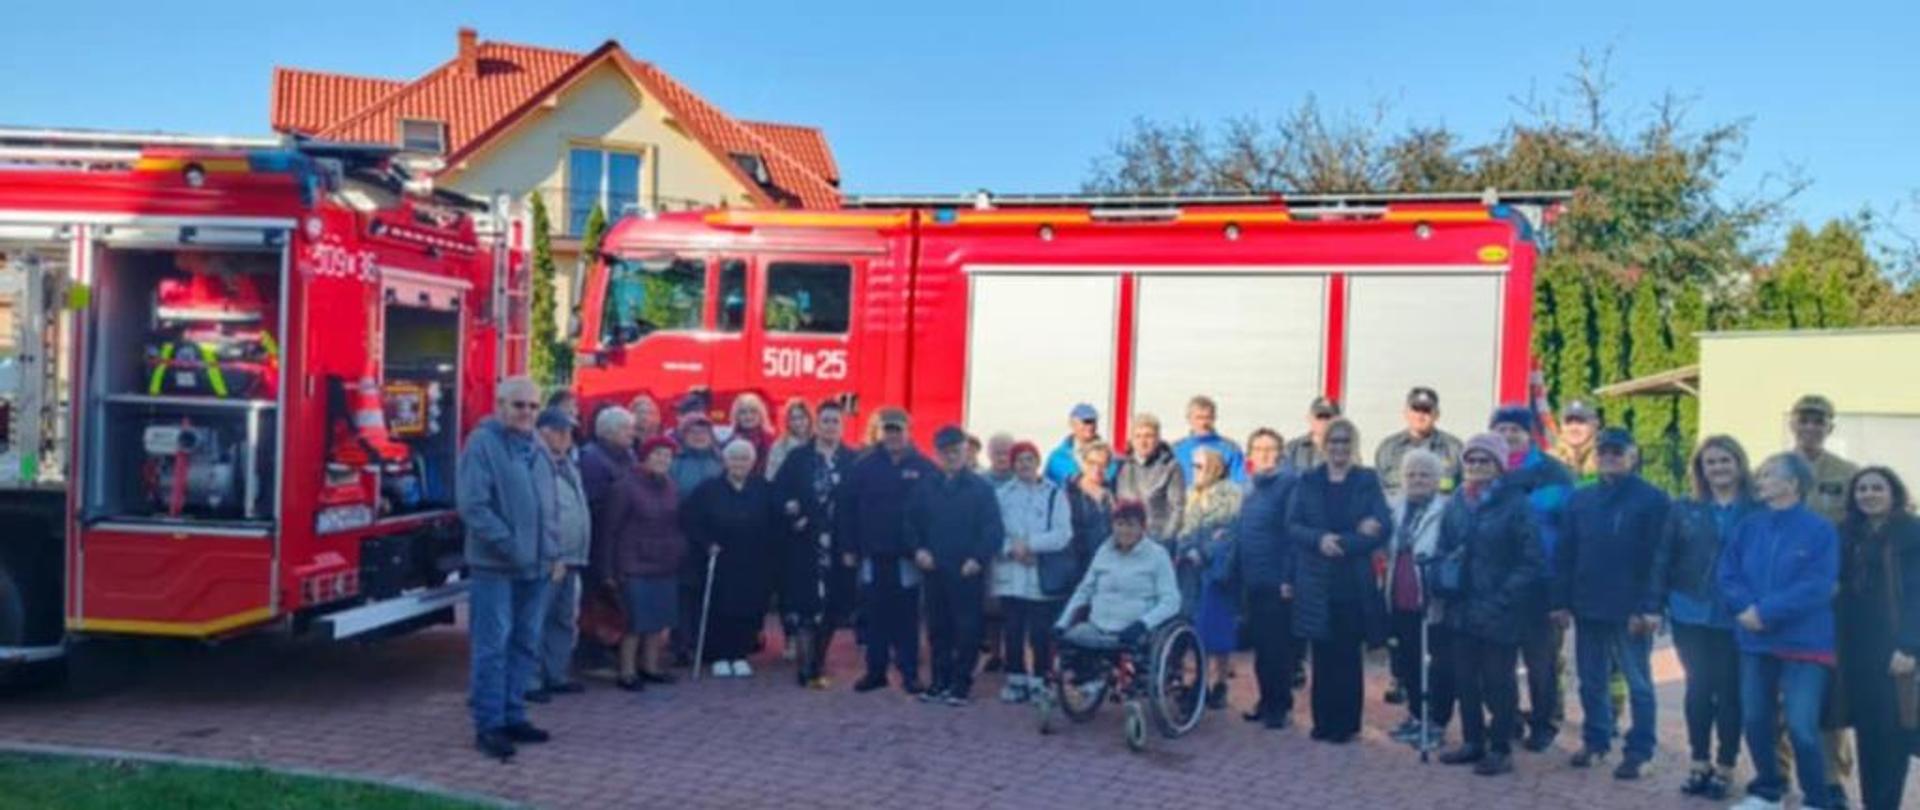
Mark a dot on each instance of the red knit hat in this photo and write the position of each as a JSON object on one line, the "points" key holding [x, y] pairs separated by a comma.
{"points": [[647, 447], [1014, 452]]}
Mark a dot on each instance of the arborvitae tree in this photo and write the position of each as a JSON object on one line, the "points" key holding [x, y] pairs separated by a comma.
{"points": [[540, 358]]}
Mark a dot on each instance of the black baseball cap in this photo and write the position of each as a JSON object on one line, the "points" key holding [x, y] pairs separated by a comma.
{"points": [[1614, 438], [1324, 407], [949, 436], [1422, 398]]}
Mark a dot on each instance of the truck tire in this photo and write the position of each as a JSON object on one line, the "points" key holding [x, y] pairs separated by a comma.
{"points": [[13, 632]]}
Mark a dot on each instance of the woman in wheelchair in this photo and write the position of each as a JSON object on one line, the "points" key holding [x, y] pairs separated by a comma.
{"points": [[1129, 588], [1122, 640]]}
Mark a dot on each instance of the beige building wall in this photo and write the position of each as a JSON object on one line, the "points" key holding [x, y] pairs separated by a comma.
{"points": [[604, 108], [1749, 380]]}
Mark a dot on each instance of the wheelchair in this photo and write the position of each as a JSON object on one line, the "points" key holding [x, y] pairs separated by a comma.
{"points": [[1161, 680]]}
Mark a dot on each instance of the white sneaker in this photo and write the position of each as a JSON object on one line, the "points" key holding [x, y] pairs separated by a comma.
{"points": [[722, 669], [1755, 803], [1016, 689], [741, 670]]}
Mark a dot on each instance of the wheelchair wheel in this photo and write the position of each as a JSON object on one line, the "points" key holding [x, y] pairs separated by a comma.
{"points": [[1079, 694], [1179, 688], [1136, 726]]}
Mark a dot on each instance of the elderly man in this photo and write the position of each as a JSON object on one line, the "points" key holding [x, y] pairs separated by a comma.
{"points": [[1151, 475], [953, 527], [872, 519], [1832, 475], [1083, 424], [1545, 485], [1606, 585], [573, 528], [999, 459], [1202, 413], [1422, 433], [506, 484], [1309, 451]]}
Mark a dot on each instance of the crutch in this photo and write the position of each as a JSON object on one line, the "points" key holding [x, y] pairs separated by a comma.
{"points": [[706, 603]]}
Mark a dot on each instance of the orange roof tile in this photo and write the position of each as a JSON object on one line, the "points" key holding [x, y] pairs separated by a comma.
{"points": [[506, 82], [307, 101], [806, 144]]}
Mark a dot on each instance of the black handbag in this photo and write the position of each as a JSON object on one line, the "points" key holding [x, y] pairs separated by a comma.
{"points": [[1446, 574], [1059, 570]]}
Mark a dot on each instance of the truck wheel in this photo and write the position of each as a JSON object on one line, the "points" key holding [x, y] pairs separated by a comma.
{"points": [[13, 633]]}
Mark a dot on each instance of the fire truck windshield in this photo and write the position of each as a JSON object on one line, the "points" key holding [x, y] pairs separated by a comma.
{"points": [[653, 293]]}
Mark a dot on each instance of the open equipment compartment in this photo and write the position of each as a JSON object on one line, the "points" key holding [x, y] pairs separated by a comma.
{"points": [[420, 390], [184, 367]]}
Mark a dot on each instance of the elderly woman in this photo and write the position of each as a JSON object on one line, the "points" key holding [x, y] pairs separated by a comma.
{"points": [[797, 422], [646, 417], [1416, 535], [1039, 533], [1266, 560], [1090, 495], [1203, 560], [749, 421], [638, 552], [735, 518], [1128, 591], [1338, 519], [1777, 575], [1879, 621], [1698, 527], [1151, 475], [1487, 562]]}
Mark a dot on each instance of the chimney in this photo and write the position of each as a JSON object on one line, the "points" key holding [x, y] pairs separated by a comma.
{"points": [[469, 54]]}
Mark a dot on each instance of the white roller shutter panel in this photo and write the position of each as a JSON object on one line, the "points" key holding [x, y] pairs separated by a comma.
{"points": [[1440, 331], [1254, 343], [1036, 345]]}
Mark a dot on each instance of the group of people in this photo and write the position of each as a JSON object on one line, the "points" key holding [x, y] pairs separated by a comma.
{"points": [[1792, 591]]}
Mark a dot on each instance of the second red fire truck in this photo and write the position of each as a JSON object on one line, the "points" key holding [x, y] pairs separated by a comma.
{"points": [[1002, 313]]}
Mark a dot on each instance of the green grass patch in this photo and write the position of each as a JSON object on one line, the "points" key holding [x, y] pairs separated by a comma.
{"points": [[92, 784]]}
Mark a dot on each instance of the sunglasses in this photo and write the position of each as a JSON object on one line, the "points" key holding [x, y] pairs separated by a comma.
{"points": [[891, 428]]}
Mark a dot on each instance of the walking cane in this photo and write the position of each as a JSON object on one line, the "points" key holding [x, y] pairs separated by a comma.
{"points": [[1426, 694], [706, 602]]}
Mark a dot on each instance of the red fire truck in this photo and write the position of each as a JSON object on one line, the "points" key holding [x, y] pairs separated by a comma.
{"points": [[237, 374], [1001, 313]]}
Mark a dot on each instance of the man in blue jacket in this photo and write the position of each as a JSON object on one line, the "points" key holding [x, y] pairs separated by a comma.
{"points": [[1546, 485], [1778, 574], [1084, 428], [1605, 586], [1202, 413], [953, 526], [872, 520], [505, 499]]}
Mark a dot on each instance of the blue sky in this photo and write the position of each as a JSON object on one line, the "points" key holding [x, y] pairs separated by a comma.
{"points": [[1021, 96]]}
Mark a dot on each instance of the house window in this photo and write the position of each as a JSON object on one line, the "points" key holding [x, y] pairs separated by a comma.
{"points": [[607, 178], [422, 136], [649, 295], [809, 298], [733, 296], [754, 167]]}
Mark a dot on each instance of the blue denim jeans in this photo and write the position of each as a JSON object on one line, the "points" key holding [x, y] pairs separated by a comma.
{"points": [[504, 616], [1765, 683], [1597, 647], [560, 632]]}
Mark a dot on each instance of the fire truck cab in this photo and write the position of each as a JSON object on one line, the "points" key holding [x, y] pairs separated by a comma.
{"points": [[236, 378], [1002, 313]]}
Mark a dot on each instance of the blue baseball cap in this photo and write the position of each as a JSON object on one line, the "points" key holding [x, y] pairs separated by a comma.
{"points": [[1084, 413]]}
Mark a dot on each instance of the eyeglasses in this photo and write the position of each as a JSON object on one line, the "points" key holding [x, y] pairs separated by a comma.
{"points": [[523, 406], [891, 428], [1477, 461]]}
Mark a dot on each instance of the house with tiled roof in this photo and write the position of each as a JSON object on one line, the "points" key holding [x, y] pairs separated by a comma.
{"points": [[580, 130]]}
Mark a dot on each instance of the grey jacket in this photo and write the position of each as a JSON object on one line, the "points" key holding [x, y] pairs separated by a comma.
{"points": [[1122, 588], [1157, 483], [572, 518], [503, 482]]}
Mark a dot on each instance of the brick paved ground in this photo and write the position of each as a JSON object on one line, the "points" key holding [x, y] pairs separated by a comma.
{"points": [[395, 710]]}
